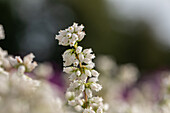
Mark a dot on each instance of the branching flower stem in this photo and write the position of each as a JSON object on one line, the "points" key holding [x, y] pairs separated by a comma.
{"points": [[81, 69]]}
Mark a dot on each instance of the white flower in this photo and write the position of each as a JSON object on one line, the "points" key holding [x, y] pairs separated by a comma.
{"points": [[94, 73], [105, 107], [79, 49], [74, 37], [71, 29], [72, 77], [72, 42], [81, 35], [76, 62], [68, 70], [2, 35], [13, 61], [72, 103], [21, 70], [63, 32], [59, 37], [99, 110], [78, 108], [91, 65], [65, 41], [87, 73], [82, 87], [87, 51], [96, 87], [28, 62], [79, 101], [89, 111], [87, 60], [94, 79], [69, 94], [83, 77], [89, 92], [79, 28], [68, 35], [97, 99], [78, 73], [74, 85], [81, 57], [90, 56]]}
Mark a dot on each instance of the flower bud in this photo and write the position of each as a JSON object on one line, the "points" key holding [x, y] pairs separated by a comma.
{"points": [[89, 92], [94, 73], [79, 49], [87, 73], [78, 108], [81, 57]]}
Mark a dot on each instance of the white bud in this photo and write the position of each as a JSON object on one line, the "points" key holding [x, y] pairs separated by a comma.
{"points": [[87, 73], [67, 63], [88, 110], [68, 95], [83, 77], [65, 41], [58, 37], [96, 87], [99, 110], [74, 37], [68, 70], [87, 51], [90, 65], [72, 103], [81, 35], [79, 102], [106, 107], [81, 57], [82, 87], [19, 60], [87, 60], [73, 57], [79, 28], [2, 34], [93, 79], [75, 25], [78, 108], [72, 76], [21, 70], [76, 62], [79, 49], [63, 32], [94, 73], [78, 73], [13, 61], [90, 56], [89, 92]]}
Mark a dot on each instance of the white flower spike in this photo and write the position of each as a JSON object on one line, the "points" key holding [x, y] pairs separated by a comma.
{"points": [[83, 78]]}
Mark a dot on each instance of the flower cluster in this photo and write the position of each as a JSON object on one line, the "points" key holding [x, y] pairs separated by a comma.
{"points": [[78, 63], [21, 94], [71, 35], [26, 64]]}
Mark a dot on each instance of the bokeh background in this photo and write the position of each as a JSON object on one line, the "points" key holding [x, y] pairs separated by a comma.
{"points": [[131, 31]]}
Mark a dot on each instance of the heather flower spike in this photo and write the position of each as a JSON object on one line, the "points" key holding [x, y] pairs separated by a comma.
{"points": [[83, 78]]}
